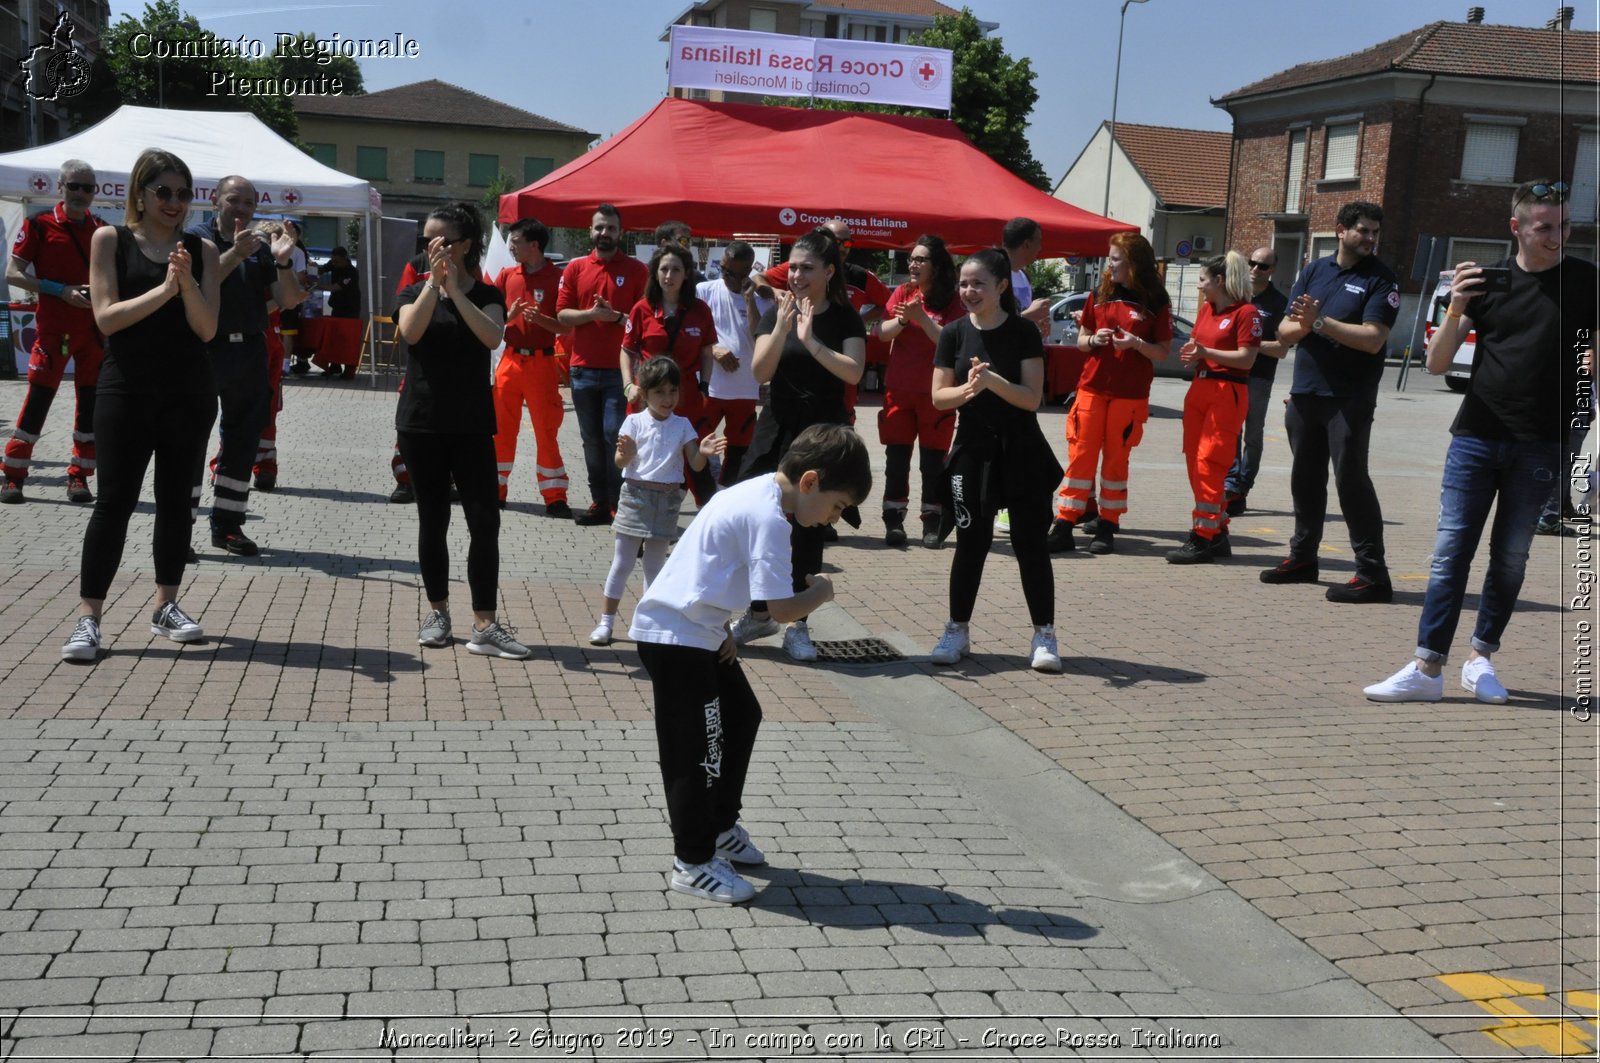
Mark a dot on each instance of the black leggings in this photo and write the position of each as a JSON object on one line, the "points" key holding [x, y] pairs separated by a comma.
{"points": [[1030, 525], [434, 459], [706, 722], [129, 430]]}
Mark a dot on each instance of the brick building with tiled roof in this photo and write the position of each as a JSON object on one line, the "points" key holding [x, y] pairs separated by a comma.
{"points": [[1437, 126]]}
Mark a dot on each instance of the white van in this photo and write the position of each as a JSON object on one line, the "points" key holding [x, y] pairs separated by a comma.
{"points": [[1460, 370]]}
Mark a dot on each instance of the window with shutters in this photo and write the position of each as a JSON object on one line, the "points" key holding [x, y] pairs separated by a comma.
{"points": [[427, 167], [1585, 180], [1490, 152], [1297, 170], [1324, 245], [763, 20], [1340, 151], [327, 154], [1472, 249], [372, 163], [482, 169], [535, 167]]}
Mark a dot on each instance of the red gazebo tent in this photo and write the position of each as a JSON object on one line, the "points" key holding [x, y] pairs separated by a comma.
{"points": [[730, 168]]}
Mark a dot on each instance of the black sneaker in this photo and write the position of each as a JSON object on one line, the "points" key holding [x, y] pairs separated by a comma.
{"points": [[1105, 538], [299, 367], [11, 494], [1360, 590], [403, 494], [78, 490], [558, 509], [930, 531], [1236, 505], [894, 527], [266, 481], [1059, 540], [234, 542], [593, 517], [1194, 551], [1291, 570], [1553, 526]]}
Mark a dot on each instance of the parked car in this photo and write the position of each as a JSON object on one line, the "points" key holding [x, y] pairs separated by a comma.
{"points": [[1460, 371], [1063, 317]]}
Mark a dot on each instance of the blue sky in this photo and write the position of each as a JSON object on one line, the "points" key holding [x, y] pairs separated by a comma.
{"points": [[599, 64]]}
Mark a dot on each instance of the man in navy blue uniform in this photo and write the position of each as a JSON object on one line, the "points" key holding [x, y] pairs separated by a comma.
{"points": [[1340, 312]]}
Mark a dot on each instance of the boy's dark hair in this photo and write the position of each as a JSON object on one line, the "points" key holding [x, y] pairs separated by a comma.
{"points": [[1351, 213], [1017, 232], [659, 371], [533, 231], [838, 456]]}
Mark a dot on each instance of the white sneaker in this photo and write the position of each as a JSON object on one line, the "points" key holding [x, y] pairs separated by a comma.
{"points": [[1002, 522], [1479, 680], [497, 641], [714, 880], [797, 642], [747, 628], [1408, 684], [953, 645], [734, 846], [84, 645], [175, 624], [1045, 657], [601, 635]]}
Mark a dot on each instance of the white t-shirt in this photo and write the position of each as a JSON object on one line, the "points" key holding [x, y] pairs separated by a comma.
{"points": [[1021, 288], [735, 551], [733, 332], [660, 443]]}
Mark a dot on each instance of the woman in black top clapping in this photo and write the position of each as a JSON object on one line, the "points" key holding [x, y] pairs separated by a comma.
{"points": [[445, 423]]}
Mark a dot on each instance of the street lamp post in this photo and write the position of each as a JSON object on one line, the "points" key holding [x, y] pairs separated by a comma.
{"points": [[1116, 85]]}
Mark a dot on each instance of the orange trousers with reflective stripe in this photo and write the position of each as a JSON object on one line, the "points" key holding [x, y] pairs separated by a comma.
{"points": [[1102, 431], [534, 380], [1213, 414]]}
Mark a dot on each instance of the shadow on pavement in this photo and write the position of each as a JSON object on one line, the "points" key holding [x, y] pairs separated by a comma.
{"points": [[377, 663], [329, 493]]}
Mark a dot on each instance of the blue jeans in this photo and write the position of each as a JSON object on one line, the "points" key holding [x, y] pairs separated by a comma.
{"points": [[1247, 464], [598, 402], [1516, 479]]}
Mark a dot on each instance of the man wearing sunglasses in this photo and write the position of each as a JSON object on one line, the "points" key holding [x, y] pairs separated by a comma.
{"points": [[1532, 373], [50, 256], [253, 275], [1271, 303]]}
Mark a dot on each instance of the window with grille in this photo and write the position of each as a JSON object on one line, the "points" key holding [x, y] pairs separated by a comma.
{"points": [[1297, 170], [1472, 249], [1490, 152], [1585, 180], [1342, 148]]}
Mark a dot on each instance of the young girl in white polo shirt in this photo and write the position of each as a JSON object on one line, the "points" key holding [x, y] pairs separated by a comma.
{"points": [[652, 447]]}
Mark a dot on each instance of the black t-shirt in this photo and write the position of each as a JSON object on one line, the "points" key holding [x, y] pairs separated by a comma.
{"points": [[246, 289], [447, 387], [802, 390], [1005, 347], [344, 293], [1525, 380], [159, 354], [1272, 304]]}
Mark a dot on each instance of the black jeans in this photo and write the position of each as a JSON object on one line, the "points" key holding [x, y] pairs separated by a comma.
{"points": [[1323, 428], [706, 722], [246, 398], [130, 430], [435, 459]]}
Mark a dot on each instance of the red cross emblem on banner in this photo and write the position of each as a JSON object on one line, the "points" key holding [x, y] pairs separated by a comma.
{"points": [[40, 183], [927, 71], [291, 196]]}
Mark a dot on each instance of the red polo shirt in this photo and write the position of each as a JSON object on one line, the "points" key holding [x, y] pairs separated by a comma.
{"points": [[58, 248], [1122, 374], [911, 355], [539, 289], [646, 336], [621, 282], [1233, 329]]}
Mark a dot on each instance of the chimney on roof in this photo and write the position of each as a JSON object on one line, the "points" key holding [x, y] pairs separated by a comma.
{"points": [[1562, 21], [1474, 16]]}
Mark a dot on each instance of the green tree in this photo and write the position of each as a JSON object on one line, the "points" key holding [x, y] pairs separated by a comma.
{"points": [[1047, 276], [300, 61], [991, 97]]}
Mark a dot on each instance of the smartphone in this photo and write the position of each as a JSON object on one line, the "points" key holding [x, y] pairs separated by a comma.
{"points": [[1496, 279]]}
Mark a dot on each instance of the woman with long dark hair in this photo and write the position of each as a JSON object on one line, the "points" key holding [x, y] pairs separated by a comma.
{"points": [[445, 423], [155, 291], [917, 310], [990, 366], [808, 347]]}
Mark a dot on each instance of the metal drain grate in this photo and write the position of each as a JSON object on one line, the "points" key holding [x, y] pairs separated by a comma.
{"points": [[858, 651]]}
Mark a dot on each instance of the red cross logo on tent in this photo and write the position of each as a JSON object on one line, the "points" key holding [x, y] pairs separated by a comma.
{"points": [[928, 72], [291, 196], [40, 183]]}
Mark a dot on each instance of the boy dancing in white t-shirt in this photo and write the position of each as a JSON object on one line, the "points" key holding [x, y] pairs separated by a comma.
{"points": [[735, 551]]}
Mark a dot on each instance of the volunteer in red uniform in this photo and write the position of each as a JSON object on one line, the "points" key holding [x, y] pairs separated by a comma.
{"points": [[56, 245], [1126, 328], [1222, 348], [528, 372], [596, 293], [916, 312]]}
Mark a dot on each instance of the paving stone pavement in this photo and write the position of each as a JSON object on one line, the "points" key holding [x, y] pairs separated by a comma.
{"points": [[308, 837]]}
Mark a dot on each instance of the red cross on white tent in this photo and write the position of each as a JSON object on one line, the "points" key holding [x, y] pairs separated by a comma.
{"points": [[927, 71], [40, 183], [291, 196]]}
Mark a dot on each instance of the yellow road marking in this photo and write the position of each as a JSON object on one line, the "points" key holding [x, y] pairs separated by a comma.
{"points": [[1521, 1028]]}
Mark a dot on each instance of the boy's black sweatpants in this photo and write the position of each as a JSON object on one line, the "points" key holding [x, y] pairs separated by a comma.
{"points": [[706, 722]]}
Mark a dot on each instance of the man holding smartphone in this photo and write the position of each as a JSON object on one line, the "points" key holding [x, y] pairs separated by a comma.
{"points": [[1535, 315]]}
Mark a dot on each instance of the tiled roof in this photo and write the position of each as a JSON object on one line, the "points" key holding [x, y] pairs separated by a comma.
{"points": [[1186, 167], [1456, 48], [435, 103], [923, 8]]}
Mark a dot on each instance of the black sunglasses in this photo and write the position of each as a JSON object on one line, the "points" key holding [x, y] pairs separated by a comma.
{"points": [[1260, 265], [77, 186], [165, 194], [1542, 191]]}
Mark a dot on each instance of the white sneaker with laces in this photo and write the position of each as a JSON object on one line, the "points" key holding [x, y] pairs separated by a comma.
{"points": [[1002, 522], [601, 635], [797, 642], [953, 645], [734, 846], [747, 628], [1408, 684], [1479, 680], [714, 880], [1045, 657], [175, 624], [496, 641], [84, 645]]}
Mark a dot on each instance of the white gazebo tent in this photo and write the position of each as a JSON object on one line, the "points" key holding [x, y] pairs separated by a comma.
{"points": [[214, 144]]}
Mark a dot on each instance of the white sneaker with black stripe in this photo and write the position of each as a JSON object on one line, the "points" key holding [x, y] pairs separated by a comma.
{"points": [[175, 624], [84, 645], [734, 846], [714, 880]]}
